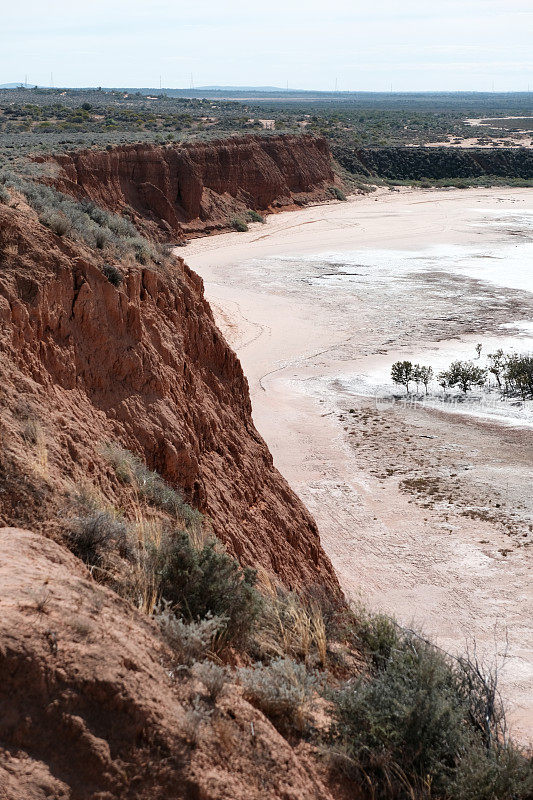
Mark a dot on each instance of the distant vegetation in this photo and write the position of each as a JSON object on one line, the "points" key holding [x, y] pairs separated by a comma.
{"points": [[438, 166], [360, 127], [512, 372]]}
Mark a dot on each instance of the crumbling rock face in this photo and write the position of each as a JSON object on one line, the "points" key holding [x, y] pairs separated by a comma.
{"points": [[91, 708], [83, 362], [196, 187]]}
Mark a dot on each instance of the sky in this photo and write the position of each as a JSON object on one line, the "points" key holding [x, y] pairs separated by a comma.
{"points": [[358, 45]]}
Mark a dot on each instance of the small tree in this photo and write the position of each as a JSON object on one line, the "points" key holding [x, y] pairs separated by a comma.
{"points": [[464, 374], [416, 375], [519, 374], [402, 373], [422, 374], [497, 362], [478, 349]]}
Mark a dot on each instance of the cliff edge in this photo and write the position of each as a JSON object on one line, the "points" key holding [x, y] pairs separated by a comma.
{"points": [[193, 188]]}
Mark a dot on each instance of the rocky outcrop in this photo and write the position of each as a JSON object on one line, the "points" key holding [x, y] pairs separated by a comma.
{"points": [[84, 362], [91, 707], [196, 187], [417, 163]]}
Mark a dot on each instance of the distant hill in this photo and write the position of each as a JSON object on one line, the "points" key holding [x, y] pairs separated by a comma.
{"points": [[239, 89], [17, 85]]}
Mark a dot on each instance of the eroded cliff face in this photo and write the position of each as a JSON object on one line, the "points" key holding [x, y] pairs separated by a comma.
{"points": [[172, 190], [143, 364], [91, 705]]}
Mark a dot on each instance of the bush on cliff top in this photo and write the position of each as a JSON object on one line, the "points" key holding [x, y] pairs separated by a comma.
{"points": [[81, 220], [113, 274]]}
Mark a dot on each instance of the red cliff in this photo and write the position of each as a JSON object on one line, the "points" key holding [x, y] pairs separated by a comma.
{"points": [[84, 362], [197, 187]]}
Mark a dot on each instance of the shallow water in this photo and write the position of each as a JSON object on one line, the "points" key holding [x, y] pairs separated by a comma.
{"points": [[509, 265]]}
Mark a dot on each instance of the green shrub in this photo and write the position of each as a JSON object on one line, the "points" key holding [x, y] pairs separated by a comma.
{"points": [[253, 216], [407, 719], [421, 724], [377, 636], [502, 773], [282, 690], [112, 274], [4, 194], [239, 224], [204, 580], [337, 193]]}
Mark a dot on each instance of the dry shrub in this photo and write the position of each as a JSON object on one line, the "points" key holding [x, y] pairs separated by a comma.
{"points": [[56, 221], [224, 731], [190, 641], [35, 439], [193, 718], [213, 676], [130, 469], [141, 579], [282, 690], [94, 536]]}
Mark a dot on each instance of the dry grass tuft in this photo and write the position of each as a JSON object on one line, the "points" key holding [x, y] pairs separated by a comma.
{"points": [[291, 625]]}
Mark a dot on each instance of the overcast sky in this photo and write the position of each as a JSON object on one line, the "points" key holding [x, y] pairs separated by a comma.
{"points": [[363, 44]]}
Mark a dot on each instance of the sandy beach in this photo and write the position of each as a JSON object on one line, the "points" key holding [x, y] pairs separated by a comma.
{"points": [[424, 508]]}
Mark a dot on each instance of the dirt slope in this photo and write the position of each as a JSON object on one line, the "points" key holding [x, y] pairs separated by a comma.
{"points": [[91, 710], [174, 189]]}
